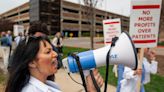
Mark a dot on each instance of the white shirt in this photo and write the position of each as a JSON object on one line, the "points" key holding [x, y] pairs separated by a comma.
{"points": [[36, 85], [129, 83], [55, 39], [18, 39], [150, 68]]}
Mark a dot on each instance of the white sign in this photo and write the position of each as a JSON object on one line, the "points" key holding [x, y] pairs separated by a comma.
{"points": [[144, 22], [18, 29], [112, 28]]}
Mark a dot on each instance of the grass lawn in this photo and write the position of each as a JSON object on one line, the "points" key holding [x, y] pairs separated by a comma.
{"points": [[2, 77], [156, 84], [161, 43]]}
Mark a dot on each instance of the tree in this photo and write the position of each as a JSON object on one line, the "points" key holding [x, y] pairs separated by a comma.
{"points": [[161, 26], [90, 12], [6, 25]]}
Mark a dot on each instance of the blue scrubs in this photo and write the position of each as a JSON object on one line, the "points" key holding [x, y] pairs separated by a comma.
{"points": [[120, 70]]}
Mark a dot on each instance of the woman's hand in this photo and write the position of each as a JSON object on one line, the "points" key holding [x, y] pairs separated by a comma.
{"points": [[151, 54], [98, 78], [138, 72]]}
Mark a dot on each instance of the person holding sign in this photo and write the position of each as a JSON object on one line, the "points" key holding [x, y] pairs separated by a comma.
{"points": [[129, 77]]}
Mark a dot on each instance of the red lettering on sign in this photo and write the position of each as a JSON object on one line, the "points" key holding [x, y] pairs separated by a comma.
{"points": [[144, 30], [145, 18], [151, 24], [143, 36], [146, 12]]}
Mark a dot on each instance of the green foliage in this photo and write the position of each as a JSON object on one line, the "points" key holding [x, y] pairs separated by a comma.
{"points": [[161, 43], [68, 50], [2, 77], [51, 37], [111, 77], [156, 84]]}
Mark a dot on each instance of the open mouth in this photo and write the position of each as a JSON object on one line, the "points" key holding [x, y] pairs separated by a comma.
{"points": [[54, 63]]}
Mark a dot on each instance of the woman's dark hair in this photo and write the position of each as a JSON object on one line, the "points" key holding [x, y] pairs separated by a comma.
{"points": [[38, 26], [25, 52]]}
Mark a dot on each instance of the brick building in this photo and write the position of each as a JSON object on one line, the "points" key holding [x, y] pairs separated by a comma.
{"points": [[67, 17], [61, 16]]}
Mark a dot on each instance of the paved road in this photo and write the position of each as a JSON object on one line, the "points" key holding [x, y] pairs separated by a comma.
{"points": [[64, 81], [67, 85], [1, 64], [84, 42]]}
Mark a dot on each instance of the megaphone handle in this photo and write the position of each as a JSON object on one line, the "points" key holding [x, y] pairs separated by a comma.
{"points": [[94, 81], [80, 70]]}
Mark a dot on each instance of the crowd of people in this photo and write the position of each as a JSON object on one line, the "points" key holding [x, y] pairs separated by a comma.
{"points": [[36, 59]]}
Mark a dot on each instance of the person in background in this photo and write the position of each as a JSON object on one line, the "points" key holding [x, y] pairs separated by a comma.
{"points": [[119, 69], [129, 77], [58, 42], [34, 60], [10, 38], [5, 48], [19, 38], [38, 29], [150, 64]]}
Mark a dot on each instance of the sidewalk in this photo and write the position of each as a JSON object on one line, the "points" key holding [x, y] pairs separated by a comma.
{"points": [[68, 85], [84, 42]]}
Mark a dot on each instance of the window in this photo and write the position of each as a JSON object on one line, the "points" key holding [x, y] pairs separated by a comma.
{"points": [[70, 21], [24, 11], [100, 24], [26, 21], [84, 22], [70, 10]]}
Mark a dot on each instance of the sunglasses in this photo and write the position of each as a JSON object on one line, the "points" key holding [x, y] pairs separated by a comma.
{"points": [[30, 38]]}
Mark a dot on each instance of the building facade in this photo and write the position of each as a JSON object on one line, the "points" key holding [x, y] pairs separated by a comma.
{"points": [[19, 15], [69, 18], [60, 15], [47, 11], [74, 19]]}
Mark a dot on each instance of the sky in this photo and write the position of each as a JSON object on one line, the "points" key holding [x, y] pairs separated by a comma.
{"points": [[6, 5], [121, 7]]}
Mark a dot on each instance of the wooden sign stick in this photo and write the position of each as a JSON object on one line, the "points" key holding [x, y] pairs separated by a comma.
{"points": [[140, 60]]}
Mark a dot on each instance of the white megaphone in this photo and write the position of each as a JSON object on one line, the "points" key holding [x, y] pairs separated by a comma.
{"points": [[123, 52]]}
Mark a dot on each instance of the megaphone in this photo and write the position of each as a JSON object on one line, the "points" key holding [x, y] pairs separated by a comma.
{"points": [[123, 52]]}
